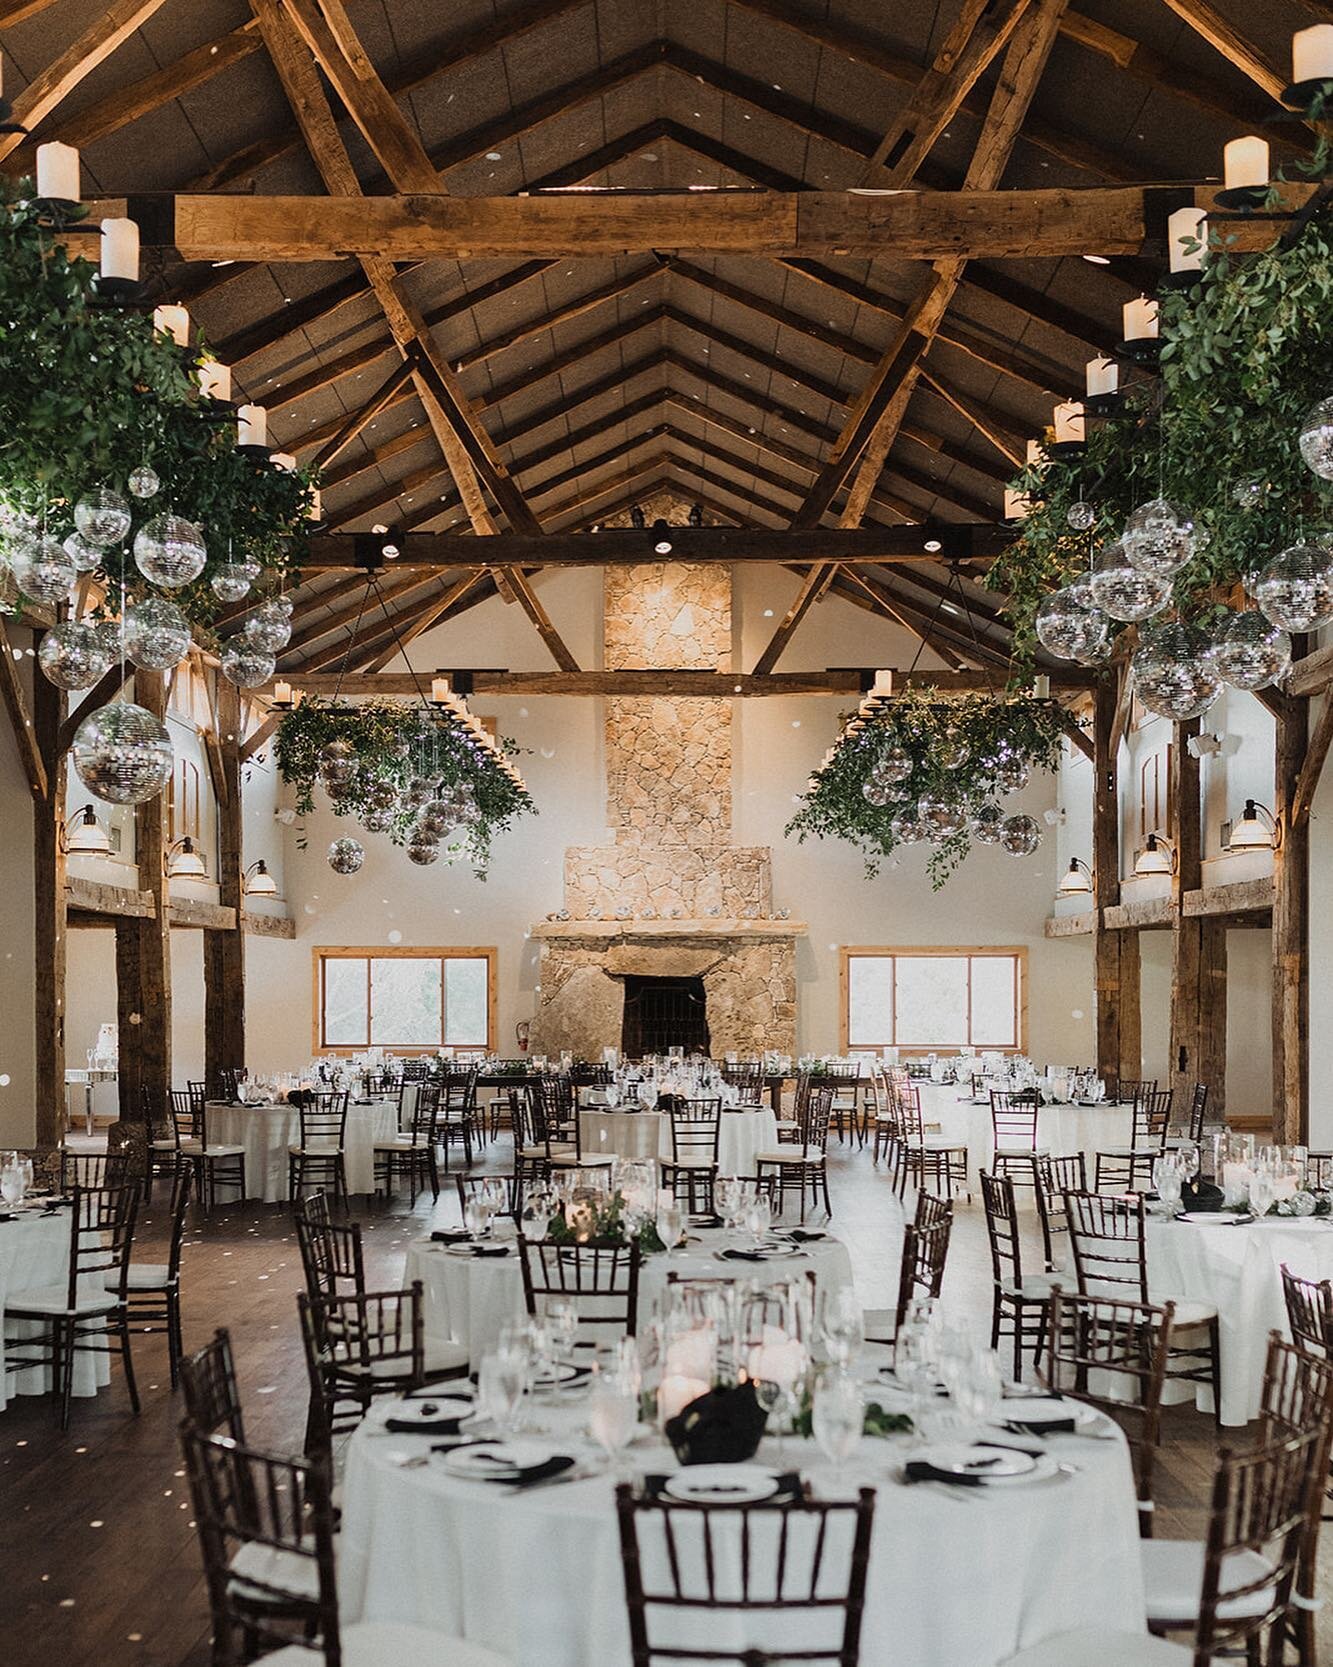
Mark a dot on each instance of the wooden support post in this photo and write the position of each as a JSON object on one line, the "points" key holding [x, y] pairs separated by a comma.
{"points": [[50, 912], [1115, 953], [224, 952], [1291, 935], [1198, 950], [147, 960]]}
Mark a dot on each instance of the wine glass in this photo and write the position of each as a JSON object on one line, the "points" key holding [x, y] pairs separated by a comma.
{"points": [[842, 1325], [1261, 1189], [670, 1221], [838, 1419], [476, 1213], [538, 1209], [758, 1218], [501, 1381], [561, 1324], [727, 1195], [613, 1412], [979, 1387], [11, 1183], [1167, 1179]]}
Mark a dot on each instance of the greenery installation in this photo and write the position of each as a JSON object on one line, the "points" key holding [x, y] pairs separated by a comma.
{"points": [[420, 776], [91, 394], [925, 767]]}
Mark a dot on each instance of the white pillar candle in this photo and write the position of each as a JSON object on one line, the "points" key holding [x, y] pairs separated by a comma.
{"points": [[251, 426], [1140, 319], [439, 690], [58, 172], [1245, 162], [1312, 53], [283, 460], [282, 693], [1068, 419], [1041, 687], [215, 379], [883, 683], [1186, 225], [173, 321], [120, 250], [1016, 505], [1101, 376]]}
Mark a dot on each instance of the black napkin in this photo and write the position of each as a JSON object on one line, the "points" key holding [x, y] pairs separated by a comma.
{"points": [[490, 1250], [1042, 1426], [745, 1255], [8, 1218], [917, 1470], [799, 1235], [724, 1426], [1200, 1195], [452, 1235], [425, 1426]]}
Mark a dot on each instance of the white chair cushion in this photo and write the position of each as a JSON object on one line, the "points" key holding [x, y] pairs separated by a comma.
{"points": [[1033, 1286], [690, 1163], [148, 1276], [571, 1160], [1093, 1648], [313, 1151], [879, 1324], [1025, 1152], [440, 1356], [400, 1143], [271, 1566], [1127, 1152], [162, 1145], [193, 1149], [383, 1644], [792, 1154], [54, 1299], [1188, 1312], [1173, 1582]]}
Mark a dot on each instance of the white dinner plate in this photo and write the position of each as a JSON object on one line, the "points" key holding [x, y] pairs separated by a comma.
{"points": [[990, 1464], [1214, 1218], [1046, 1409], [432, 1409], [487, 1460], [563, 1372], [467, 1250], [722, 1484]]}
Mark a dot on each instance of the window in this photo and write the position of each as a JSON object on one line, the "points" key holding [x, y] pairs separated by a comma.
{"points": [[926, 1000], [411, 1000], [183, 801]]}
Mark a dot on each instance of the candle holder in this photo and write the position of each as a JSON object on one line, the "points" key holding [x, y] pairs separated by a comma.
{"points": [[1063, 449], [1305, 96], [129, 294], [257, 454], [214, 410], [1143, 351], [1242, 199], [1103, 405], [59, 212], [1175, 283]]}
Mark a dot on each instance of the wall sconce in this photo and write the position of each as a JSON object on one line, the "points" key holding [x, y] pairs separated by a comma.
{"points": [[1257, 830], [84, 836], [184, 862], [1158, 855], [258, 882], [1077, 882]]}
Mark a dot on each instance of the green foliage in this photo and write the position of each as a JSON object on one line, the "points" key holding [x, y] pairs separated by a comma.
{"points": [[394, 741], [90, 391], [607, 1226], [929, 726], [878, 1421]]}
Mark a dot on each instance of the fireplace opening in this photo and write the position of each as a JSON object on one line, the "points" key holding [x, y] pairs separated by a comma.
{"points": [[663, 1013]]}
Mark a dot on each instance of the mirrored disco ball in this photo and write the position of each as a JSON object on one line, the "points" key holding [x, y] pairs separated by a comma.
{"points": [[122, 754], [985, 824], [143, 481], [1067, 629], [1124, 591], [346, 856], [1295, 589], [875, 793], [418, 791], [1097, 654], [157, 634], [943, 817], [1171, 675], [102, 517], [1248, 651], [436, 817], [1011, 774], [337, 763], [1019, 835], [953, 751], [1316, 439], [1080, 516], [377, 821], [893, 765], [1159, 538], [170, 551], [41, 569], [382, 794], [423, 852], [907, 827], [73, 655], [269, 627], [230, 580], [15, 521], [245, 664], [85, 556]]}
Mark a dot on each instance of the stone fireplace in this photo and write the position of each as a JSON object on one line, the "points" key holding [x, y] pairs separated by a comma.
{"points": [[670, 897]]}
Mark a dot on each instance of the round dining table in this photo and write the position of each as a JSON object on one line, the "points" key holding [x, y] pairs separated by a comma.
{"points": [[34, 1250], [743, 1133], [956, 1578], [267, 1130], [1063, 1129]]}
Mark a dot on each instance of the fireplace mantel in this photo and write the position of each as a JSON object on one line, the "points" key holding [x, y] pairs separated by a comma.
{"points": [[629, 931]]}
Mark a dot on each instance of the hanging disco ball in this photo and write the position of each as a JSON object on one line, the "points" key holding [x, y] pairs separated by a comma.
{"points": [[1295, 589], [157, 634], [15, 521], [231, 580], [419, 790], [170, 551], [73, 656], [144, 482], [985, 824], [875, 793], [85, 556], [377, 821], [1020, 836], [1066, 628], [422, 851], [346, 856], [907, 827], [269, 627], [1097, 654], [1316, 439], [1248, 651], [1160, 539], [382, 794], [953, 750], [1124, 591], [122, 754], [41, 569], [1080, 516], [245, 664], [102, 517], [337, 764], [893, 765], [943, 818], [1011, 774], [436, 817], [1172, 677]]}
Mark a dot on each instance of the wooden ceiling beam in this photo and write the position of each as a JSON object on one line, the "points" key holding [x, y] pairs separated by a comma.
{"points": [[1224, 37], [394, 384]]}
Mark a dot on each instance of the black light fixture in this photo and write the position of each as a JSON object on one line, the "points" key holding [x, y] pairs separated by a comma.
{"points": [[1257, 830], [1158, 855]]}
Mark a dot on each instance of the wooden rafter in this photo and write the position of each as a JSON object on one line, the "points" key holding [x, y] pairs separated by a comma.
{"points": [[1224, 37], [394, 383], [20, 718]]}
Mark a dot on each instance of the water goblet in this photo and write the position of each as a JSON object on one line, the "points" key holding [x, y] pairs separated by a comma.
{"points": [[11, 1184], [842, 1325], [670, 1221], [838, 1420], [613, 1413], [1261, 1190], [759, 1218], [501, 1380]]}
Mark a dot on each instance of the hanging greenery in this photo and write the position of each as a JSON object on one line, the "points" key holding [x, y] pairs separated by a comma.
{"points": [[394, 766], [91, 392], [924, 766]]}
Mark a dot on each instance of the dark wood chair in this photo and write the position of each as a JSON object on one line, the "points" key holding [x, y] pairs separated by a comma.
{"points": [[920, 1266], [1019, 1301], [331, 1254], [208, 1383], [1125, 1168], [1013, 1118], [746, 1076], [696, 1128], [319, 1158], [159, 1130], [802, 1168], [927, 1160], [214, 1163], [458, 1124], [602, 1281], [1055, 1177], [92, 1169], [411, 1153], [153, 1289], [1309, 1304]]}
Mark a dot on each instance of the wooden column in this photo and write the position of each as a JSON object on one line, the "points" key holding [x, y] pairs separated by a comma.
{"points": [[1291, 931], [143, 947], [48, 713], [224, 952], [1115, 953], [1198, 950]]}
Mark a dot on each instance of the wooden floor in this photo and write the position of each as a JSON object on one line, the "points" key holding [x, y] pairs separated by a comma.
{"points": [[98, 1562]]}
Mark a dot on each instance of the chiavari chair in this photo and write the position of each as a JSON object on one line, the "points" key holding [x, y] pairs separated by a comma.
{"points": [[845, 1106], [746, 1076], [1125, 1168], [159, 1140], [415, 1070], [153, 1289], [319, 1158], [602, 1281], [1055, 1177], [768, 1567], [928, 1160], [215, 1165], [696, 1128], [1019, 1301], [1198, 1111], [802, 1169], [1013, 1118], [92, 1169], [411, 1152], [458, 1110], [331, 1254], [920, 1266], [1130, 1092], [208, 1383], [513, 1185], [88, 1310], [1110, 1258], [556, 1134], [1319, 1171], [1309, 1305]]}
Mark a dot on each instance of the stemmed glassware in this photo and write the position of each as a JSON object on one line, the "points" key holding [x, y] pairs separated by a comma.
{"points": [[841, 1325], [12, 1179], [670, 1220], [1262, 1189], [539, 1207], [758, 1217], [1167, 1180], [613, 1409], [838, 1419], [501, 1380]]}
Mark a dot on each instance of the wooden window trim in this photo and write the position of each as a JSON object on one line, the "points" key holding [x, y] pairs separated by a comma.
{"points": [[1018, 953], [320, 953]]}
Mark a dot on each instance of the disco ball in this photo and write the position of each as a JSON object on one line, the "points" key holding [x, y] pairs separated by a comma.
{"points": [[170, 551], [231, 580], [1171, 675], [1080, 516], [875, 793], [1019, 835], [122, 754], [1124, 591], [985, 824], [245, 664], [907, 827], [1160, 539], [144, 482], [85, 556], [346, 856], [15, 521], [953, 751], [422, 851], [73, 656], [1011, 774], [1248, 651], [419, 790], [377, 821], [382, 794], [269, 627], [943, 818], [436, 817], [1295, 589], [1316, 439], [285, 603], [102, 517], [1247, 494], [1097, 653], [157, 634], [41, 569], [893, 765], [1068, 629], [337, 764]]}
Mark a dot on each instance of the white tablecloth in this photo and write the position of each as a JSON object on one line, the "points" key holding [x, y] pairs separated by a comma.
{"points": [[742, 1135], [266, 1131], [1062, 1129], [537, 1576], [1238, 1270], [34, 1250], [469, 1298]]}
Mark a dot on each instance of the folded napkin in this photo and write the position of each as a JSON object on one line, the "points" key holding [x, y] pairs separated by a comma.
{"points": [[745, 1255], [918, 1470], [1042, 1426], [790, 1487], [724, 1426], [8, 1217], [799, 1235], [518, 1480], [452, 1235], [424, 1426], [490, 1250]]}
